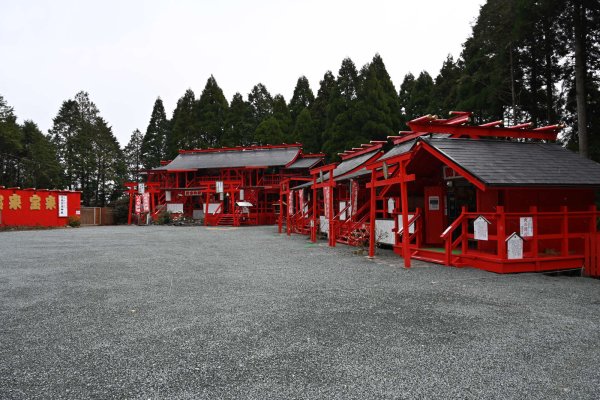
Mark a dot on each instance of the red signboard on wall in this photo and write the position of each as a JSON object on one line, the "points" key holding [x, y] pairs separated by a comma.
{"points": [[38, 207]]}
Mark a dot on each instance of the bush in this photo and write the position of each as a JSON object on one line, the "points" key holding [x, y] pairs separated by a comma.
{"points": [[74, 221], [121, 206], [164, 218]]}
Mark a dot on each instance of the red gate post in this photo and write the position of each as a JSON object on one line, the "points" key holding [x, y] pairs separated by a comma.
{"points": [[405, 230], [501, 233], [372, 215], [313, 228]]}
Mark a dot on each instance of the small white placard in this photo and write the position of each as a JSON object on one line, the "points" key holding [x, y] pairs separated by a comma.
{"points": [[324, 225], [219, 186], [434, 203], [514, 245], [141, 188], [342, 215], [480, 228], [391, 205], [241, 194], [212, 207], [63, 208], [167, 195], [526, 224], [176, 208]]}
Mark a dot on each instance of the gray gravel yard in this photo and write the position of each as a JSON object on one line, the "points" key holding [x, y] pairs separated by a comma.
{"points": [[223, 313]]}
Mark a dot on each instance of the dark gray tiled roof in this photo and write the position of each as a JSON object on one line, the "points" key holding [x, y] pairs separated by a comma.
{"points": [[356, 174], [303, 186], [505, 163], [307, 162], [276, 157], [398, 149], [344, 168], [348, 165]]}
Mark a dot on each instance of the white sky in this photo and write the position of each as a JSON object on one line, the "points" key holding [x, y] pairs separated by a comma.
{"points": [[126, 53]]}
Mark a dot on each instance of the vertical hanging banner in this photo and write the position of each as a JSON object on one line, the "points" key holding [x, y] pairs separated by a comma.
{"points": [[146, 202], [326, 201], [301, 201], [241, 194], [290, 203], [138, 204], [219, 187], [141, 188], [354, 202], [63, 208]]}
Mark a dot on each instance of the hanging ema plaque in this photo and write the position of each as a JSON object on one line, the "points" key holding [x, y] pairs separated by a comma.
{"points": [[514, 247], [480, 228]]}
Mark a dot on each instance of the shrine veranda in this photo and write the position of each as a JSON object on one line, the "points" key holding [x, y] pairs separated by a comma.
{"points": [[178, 312]]}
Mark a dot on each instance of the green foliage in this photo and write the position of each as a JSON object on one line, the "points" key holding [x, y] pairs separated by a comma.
{"points": [[269, 132], [133, 156], [89, 154], [155, 140], [239, 125], [40, 165], [305, 132], [164, 218], [261, 104], [121, 209], [302, 98], [184, 130], [282, 114], [74, 221], [211, 110]]}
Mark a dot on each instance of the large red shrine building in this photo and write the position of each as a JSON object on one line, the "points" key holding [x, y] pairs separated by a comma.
{"points": [[229, 186]]}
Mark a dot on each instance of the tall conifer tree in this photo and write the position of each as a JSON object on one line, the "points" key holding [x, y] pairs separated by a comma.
{"points": [[155, 139]]}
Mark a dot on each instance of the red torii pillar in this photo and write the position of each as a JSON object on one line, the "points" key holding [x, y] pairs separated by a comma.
{"points": [[401, 177], [330, 184]]}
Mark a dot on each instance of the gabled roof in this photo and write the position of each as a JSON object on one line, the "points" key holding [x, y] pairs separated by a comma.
{"points": [[507, 163], [231, 158], [356, 174], [351, 164], [305, 162]]}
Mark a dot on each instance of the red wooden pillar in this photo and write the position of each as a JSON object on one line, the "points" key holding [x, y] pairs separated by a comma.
{"points": [[404, 196], [332, 235], [501, 232], [534, 242], [313, 228], [206, 210], [372, 215]]}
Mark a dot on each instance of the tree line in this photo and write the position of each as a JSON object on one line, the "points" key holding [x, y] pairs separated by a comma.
{"points": [[525, 60]]}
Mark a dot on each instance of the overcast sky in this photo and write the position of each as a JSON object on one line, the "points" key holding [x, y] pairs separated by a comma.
{"points": [[126, 53]]}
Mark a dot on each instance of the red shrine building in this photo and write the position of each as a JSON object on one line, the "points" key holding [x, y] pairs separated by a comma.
{"points": [[227, 186], [502, 199]]}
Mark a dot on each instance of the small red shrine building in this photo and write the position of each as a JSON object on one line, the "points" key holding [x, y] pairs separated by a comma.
{"points": [[226, 186], [37, 207], [487, 196]]}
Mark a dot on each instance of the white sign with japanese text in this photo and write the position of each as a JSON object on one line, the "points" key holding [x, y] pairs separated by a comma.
{"points": [[526, 225], [63, 208]]}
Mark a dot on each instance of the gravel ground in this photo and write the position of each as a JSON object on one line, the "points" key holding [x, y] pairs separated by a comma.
{"points": [[222, 313]]}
